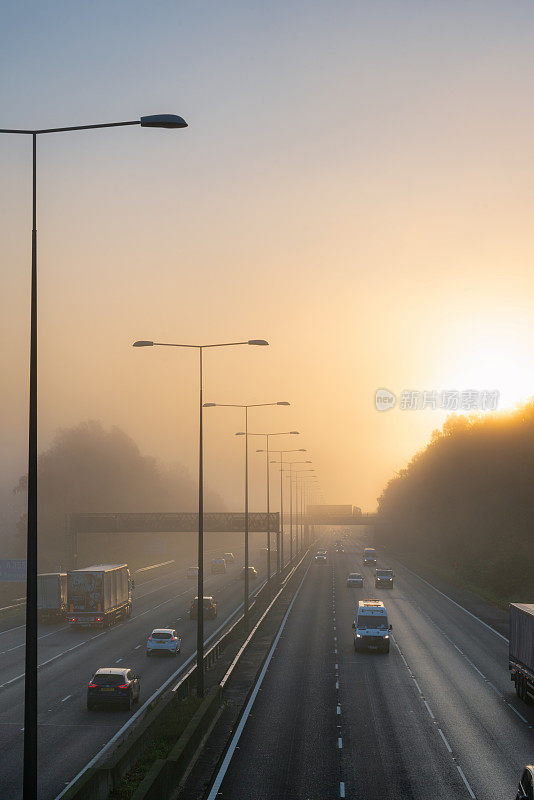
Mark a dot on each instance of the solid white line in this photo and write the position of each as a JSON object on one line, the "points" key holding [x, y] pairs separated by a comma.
{"points": [[495, 689], [475, 667], [66, 698], [237, 735], [418, 687], [447, 745], [457, 605], [460, 651], [460, 770], [342, 789], [18, 627], [518, 714], [153, 566], [429, 709]]}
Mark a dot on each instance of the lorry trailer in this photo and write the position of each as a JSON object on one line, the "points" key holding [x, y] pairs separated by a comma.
{"points": [[99, 595], [521, 658], [51, 596]]}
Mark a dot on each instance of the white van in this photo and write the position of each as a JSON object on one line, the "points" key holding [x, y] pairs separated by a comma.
{"points": [[371, 627]]}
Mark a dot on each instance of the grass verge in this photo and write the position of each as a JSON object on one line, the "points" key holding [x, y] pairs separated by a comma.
{"points": [[169, 733]]}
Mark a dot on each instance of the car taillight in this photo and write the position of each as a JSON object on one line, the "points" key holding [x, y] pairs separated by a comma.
{"points": [[99, 619], [92, 685], [72, 619], [150, 638], [123, 686]]}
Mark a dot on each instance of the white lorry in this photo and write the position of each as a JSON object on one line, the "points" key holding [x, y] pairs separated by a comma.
{"points": [[521, 657]]}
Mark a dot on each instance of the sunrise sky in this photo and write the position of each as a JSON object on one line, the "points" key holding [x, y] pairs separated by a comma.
{"points": [[356, 187]]}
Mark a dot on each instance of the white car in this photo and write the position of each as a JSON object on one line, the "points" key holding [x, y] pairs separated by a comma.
{"points": [[164, 640], [321, 557]]}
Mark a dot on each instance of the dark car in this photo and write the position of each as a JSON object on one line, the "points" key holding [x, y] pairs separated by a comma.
{"points": [[252, 573], [113, 686], [355, 580], [210, 608], [369, 555], [525, 790], [384, 578]]}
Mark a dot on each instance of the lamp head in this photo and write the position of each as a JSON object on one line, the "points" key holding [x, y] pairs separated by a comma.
{"points": [[209, 405], [241, 433], [143, 344], [294, 433], [259, 342], [163, 121], [283, 403]]}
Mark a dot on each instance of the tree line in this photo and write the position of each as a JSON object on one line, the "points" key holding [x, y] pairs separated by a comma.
{"points": [[466, 503]]}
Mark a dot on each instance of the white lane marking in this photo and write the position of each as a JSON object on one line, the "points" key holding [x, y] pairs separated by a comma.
{"points": [[335, 651], [337, 684], [460, 770], [118, 661], [237, 735], [460, 651], [16, 678], [336, 666], [418, 687], [341, 789], [9, 630], [518, 714], [495, 689], [456, 604], [138, 646], [429, 709], [447, 745], [23, 644], [338, 710], [475, 667], [66, 698], [339, 743], [153, 566]]}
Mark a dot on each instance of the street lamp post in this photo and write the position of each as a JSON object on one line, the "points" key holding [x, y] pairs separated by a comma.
{"points": [[200, 584], [290, 470], [280, 539], [30, 674], [267, 435], [299, 484], [246, 406]]}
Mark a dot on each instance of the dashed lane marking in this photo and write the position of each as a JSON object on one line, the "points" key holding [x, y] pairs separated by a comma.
{"points": [[468, 787]]}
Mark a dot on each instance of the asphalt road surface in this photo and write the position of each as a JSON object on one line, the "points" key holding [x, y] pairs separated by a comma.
{"points": [[437, 717], [69, 735]]}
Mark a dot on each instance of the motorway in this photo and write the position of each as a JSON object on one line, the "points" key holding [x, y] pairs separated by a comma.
{"points": [[436, 717], [69, 735]]}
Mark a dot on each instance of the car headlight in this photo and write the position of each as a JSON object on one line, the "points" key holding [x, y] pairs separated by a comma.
{"points": [[358, 636], [386, 636]]}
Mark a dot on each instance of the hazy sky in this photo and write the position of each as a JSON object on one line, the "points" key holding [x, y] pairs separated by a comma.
{"points": [[356, 186]]}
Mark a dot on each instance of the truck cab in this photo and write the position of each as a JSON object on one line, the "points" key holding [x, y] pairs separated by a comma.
{"points": [[369, 555], [371, 627]]}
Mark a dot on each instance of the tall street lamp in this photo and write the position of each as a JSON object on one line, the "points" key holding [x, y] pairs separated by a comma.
{"points": [[289, 469], [267, 435], [200, 585], [280, 539], [299, 498], [246, 406], [30, 675]]}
